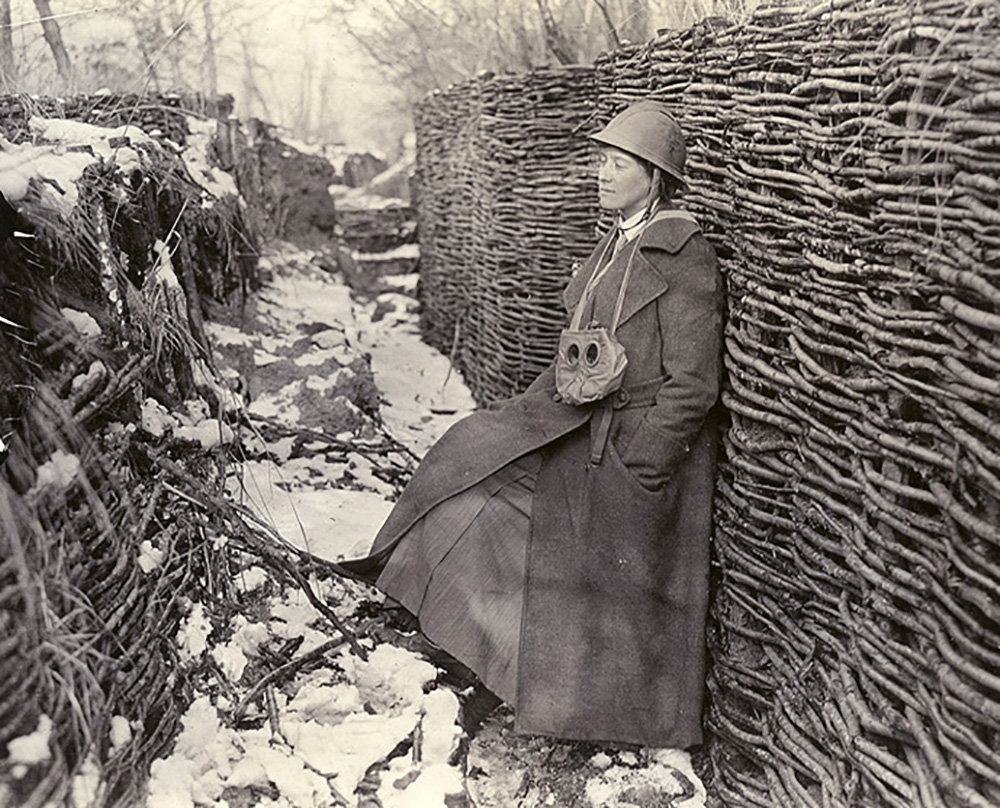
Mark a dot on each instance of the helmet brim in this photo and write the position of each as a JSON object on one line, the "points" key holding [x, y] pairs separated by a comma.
{"points": [[620, 140]]}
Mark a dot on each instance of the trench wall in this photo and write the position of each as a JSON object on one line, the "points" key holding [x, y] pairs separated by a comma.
{"points": [[504, 208], [845, 162], [87, 616]]}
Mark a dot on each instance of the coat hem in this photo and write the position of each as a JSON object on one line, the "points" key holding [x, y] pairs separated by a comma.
{"points": [[585, 735]]}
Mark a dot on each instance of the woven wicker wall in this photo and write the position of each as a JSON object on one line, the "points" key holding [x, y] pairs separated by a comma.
{"points": [[843, 163], [86, 633], [846, 163], [506, 205]]}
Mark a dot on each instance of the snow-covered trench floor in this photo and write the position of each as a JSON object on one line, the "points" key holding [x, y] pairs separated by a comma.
{"points": [[341, 730]]}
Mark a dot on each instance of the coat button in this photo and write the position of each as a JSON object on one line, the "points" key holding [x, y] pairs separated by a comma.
{"points": [[557, 398], [622, 396]]}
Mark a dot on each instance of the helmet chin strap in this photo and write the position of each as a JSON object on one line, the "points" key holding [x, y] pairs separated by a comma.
{"points": [[652, 200], [653, 197]]}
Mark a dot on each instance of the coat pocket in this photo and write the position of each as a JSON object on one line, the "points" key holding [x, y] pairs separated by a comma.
{"points": [[614, 460]]}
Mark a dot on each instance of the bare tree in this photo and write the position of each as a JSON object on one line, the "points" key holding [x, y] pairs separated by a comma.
{"points": [[53, 35], [554, 37], [251, 88], [635, 17], [213, 69], [423, 45], [176, 49], [612, 29], [419, 46], [7, 62]]}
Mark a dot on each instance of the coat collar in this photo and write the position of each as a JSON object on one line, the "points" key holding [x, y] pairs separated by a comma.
{"points": [[647, 282]]}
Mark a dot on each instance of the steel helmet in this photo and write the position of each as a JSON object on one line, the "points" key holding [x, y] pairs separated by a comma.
{"points": [[648, 130]]}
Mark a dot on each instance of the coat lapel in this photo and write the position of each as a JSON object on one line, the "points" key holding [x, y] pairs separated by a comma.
{"points": [[644, 286], [646, 282], [574, 289]]}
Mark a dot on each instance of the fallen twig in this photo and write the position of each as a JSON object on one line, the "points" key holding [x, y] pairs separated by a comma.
{"points": [[236, 518], [284, 670], [387, 446]]}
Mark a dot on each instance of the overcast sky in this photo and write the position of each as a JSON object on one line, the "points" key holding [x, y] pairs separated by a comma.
{"points": [[305, 62]]}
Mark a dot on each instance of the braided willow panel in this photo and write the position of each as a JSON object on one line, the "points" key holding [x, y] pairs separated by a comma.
{"points": [[845, 161], [86, 633], [506, 204]]}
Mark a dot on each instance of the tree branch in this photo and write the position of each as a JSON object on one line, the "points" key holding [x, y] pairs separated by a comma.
{"points": [[611, 31], [553, 36], [7, 64], [53, 35]]}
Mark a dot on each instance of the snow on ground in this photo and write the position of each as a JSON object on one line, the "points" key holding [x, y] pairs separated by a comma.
{"points": [[287, 715], [328, 522], [422, 397], [305, 498], [311, 739], [58, 162]]}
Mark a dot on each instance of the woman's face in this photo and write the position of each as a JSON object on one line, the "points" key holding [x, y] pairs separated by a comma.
{"points": [[622, 181]]}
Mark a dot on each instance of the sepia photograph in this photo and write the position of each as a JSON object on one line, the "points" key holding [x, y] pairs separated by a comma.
{"points": [[500, 404]]}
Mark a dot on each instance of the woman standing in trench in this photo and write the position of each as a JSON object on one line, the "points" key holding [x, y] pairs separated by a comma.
{"points": [[558, 543]]}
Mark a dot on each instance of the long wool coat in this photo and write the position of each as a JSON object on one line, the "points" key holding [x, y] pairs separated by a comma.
{"points": [[612, 637]]}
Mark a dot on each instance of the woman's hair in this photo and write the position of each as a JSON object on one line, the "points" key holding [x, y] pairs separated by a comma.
{"points": [[670, 186]]}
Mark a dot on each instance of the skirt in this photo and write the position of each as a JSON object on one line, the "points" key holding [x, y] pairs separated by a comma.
{"points": [[461, 570]]}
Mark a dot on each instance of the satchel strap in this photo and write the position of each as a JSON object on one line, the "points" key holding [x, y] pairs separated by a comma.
{"points": [[642, 394], [600, 268], [604, 263]]}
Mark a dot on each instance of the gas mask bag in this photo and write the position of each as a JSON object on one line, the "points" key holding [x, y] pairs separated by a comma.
{"points": [[591, 361], [590, 364]]}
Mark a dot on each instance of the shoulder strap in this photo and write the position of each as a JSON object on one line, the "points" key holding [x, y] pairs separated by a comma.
{"points": [[620, 303], [674, 213], [660, 215], [599, 268]]}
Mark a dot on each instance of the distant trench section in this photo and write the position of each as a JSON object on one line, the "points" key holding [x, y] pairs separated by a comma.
{"points": [[845, 162], [505, 207], [118, 252]]}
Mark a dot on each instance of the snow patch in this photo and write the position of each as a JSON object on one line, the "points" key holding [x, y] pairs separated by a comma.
{"points": [[429, 790], [85, 324], [325, 703], [392, 678], [330, 523], [94, 374], [231, 660], [121, 732], [192, 637], [59, 470], [86, 784], [411, 251], [251, 578], [33, 748], [248, 636], [667, 778], [213, 180], [150, 557], [439, 728], [346, 751], [195, 772], [209, 433], [154, 418]]}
